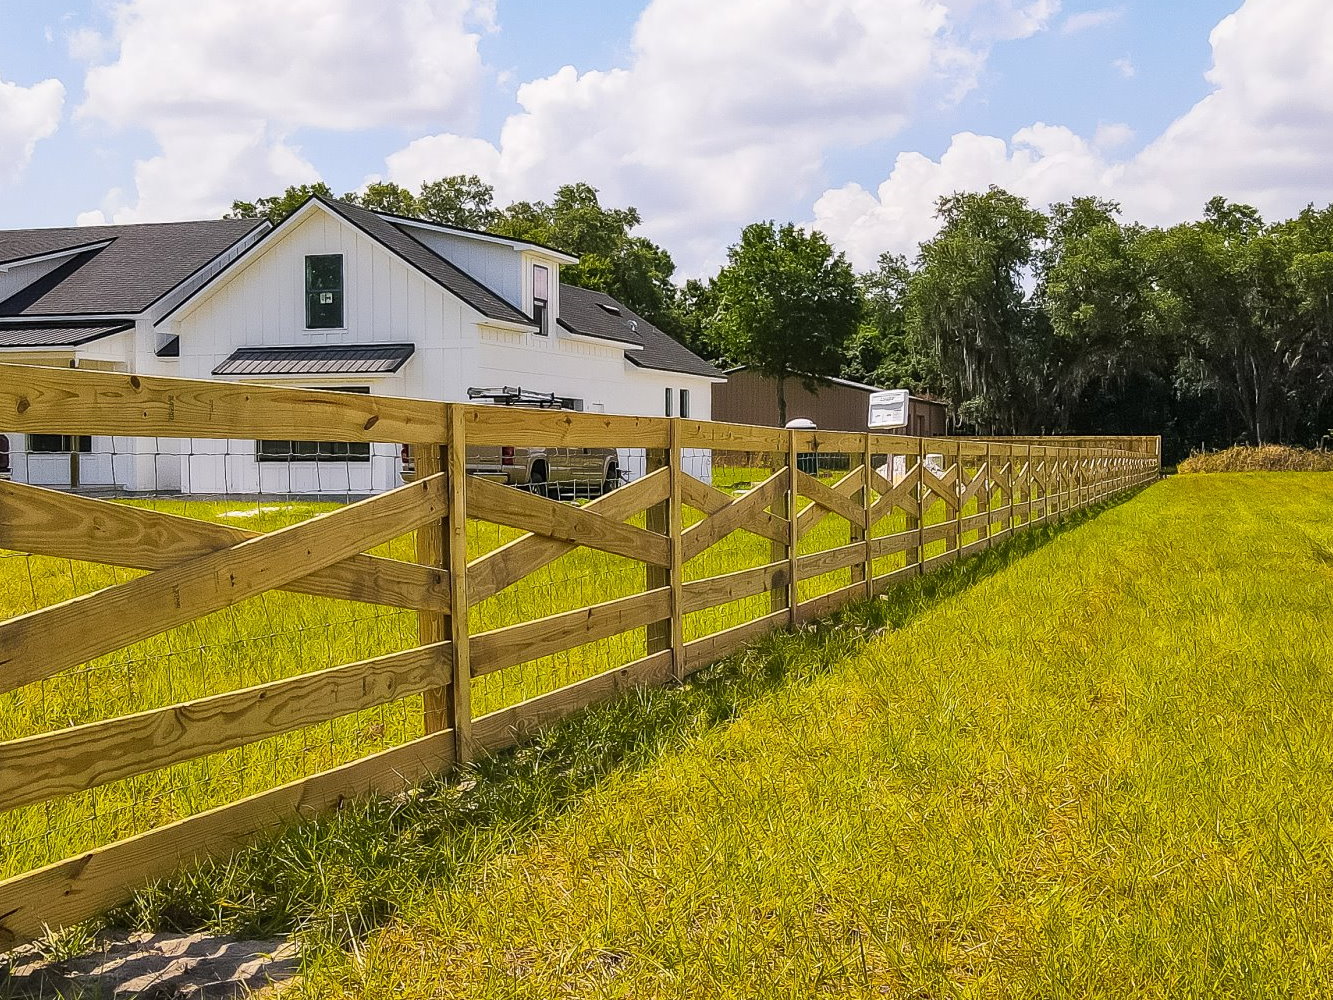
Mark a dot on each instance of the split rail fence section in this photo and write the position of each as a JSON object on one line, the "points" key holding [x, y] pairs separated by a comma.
{"points": [[662, 576]]}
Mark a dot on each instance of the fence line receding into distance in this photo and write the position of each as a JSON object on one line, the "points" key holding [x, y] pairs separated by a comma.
{"points": [[180, 675]]}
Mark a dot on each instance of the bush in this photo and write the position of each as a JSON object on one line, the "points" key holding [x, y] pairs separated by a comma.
{"points": [[1266, 458]]}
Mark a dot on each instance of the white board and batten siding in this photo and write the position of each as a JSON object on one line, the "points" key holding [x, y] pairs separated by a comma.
{"points": [[262, 304]]}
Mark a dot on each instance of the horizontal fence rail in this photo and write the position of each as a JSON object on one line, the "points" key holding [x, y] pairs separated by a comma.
{"points": [[479, 611]]}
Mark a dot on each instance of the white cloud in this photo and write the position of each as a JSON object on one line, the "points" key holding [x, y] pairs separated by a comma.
{"points": [[1088, 20], [1125, 67], [1112, 135], [1043, 162], [1264, 136], [27, 116], [227, 82], [727, 109]]}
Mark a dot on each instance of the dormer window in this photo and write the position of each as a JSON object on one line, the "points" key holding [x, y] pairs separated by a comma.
{"points": [[324, 291], [541, 297]]}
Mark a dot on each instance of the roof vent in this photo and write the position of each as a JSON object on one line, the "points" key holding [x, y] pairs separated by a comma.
{"points": [[614, 310]]}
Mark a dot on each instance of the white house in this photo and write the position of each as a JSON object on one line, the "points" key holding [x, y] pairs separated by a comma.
{"points": [[337, 297]]}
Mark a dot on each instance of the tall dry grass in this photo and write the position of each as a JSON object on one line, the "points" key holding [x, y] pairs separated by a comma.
{"points": [[1265, 458]]}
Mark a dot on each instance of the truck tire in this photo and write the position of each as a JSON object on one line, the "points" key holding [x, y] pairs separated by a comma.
{"points": [[538, 485]]}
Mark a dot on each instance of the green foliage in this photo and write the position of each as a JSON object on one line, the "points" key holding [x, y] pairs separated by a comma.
{"points": [[385, 196], [966, 304], [882, 352], [1094, 289], [275, 208], [1248, 302], [463, 200], [787, 304]]}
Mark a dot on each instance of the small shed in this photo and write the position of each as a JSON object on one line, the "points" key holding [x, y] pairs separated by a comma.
{"points": [[839, 404]]}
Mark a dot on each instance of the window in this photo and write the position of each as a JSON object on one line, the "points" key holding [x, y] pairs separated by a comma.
{"points": [[59, 444], [4, 455], [324, 291], [541, 297], [670, 394], [316, 451], [684, 402]]}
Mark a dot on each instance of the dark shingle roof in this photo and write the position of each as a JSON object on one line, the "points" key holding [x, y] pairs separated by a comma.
{"points": [[48, 334], [398, 240], [325, 359], [139, 265], [596, 314]]}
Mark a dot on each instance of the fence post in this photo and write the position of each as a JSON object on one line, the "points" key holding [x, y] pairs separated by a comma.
{"points": [[793, 535], [958, 483], [675, 525], [460, 687], [916, 555], [432, 550], [986, 496], [658, 520], [868, 507]]}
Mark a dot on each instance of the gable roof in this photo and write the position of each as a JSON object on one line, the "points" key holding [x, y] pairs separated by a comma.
{"points": [[114, 270], [398, 240], [440, 227], [596, 314]]}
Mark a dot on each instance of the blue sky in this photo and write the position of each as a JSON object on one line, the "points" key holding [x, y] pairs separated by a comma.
{"points": [[853, 115]]}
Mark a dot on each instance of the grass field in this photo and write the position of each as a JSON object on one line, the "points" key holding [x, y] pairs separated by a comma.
{"points": [[279, 635], [1098, 766]]}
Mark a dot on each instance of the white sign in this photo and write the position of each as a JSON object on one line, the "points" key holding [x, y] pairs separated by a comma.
{"points": [[888, 409]]}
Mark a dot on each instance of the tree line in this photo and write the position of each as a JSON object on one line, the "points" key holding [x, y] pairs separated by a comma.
{"points": [[1068, 320]]}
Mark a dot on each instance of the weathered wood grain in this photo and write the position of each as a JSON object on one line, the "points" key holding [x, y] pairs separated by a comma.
{"points": [[838, 502], [711, 500], [455, 540], [49, 522], [95, 624], [578, 525], [71, 401], [82, 757], [814, 513], [818, 563], [507, 565], [744, 512], [514, 644], [516, 425], [701, 594]]}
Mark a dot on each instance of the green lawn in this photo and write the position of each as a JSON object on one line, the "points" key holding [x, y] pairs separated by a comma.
{"points": [[279, 635], [1098, 767]]}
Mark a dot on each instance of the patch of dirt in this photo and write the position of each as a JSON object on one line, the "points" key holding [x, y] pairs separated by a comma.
{"points": [[154, 967]]}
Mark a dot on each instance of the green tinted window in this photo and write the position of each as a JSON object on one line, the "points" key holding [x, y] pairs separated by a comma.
{"points": [[324, 291]]}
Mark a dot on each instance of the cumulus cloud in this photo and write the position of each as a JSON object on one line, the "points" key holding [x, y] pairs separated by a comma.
{"points": [[225, 84], [1125, 67], [1264, 135], [728, 109], [27, 116]]}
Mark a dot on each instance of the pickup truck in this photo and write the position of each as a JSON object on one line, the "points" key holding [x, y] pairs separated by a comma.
{"points": [[550, 472]]}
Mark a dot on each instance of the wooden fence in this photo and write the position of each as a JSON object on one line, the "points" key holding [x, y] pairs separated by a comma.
{"points": [[967, 496]]}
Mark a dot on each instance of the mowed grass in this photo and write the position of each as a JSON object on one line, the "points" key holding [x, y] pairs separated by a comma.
{"points": [[1103, 769], [280, 635]]}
